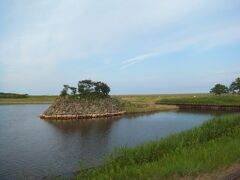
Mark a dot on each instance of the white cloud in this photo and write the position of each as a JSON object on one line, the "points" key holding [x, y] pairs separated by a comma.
{"points": [[43, 34], [204, 41]]}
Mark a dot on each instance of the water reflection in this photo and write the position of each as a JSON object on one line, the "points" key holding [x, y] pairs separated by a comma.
{"points": [[85, 127]]}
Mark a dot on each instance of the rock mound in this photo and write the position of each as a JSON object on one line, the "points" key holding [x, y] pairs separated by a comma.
{"points": [[82, 107]]}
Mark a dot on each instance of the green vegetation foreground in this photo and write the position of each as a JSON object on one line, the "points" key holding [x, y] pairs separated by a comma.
{"points": [[213, 145]]}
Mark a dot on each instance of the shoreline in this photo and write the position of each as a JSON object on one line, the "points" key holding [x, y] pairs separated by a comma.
{"points": [[204, 106], [78, 117]]}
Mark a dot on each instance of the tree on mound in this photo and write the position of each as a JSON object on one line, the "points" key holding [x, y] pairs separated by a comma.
{"points": [[87, 89], [64, 92], [102, 88]]}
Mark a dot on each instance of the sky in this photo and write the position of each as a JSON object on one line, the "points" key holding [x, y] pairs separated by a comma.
{"points": [[136, 46]]}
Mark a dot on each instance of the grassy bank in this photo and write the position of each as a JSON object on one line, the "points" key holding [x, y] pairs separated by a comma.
{"points": [[144, 107], [210, 99], [147, 103], [28, 100], [213, 145]]}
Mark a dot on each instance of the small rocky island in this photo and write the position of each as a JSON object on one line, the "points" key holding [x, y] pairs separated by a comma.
{"points": [[89, 100]]}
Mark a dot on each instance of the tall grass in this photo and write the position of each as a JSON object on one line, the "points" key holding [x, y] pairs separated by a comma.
{"points": [[193, 151]]}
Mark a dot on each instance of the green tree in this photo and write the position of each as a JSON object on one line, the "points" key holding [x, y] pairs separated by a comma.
{"points": [[105, 89], [86, 86], [219, 89], [102, 88], [235, 86], [73, 90], [64, 92], [97, 87]]}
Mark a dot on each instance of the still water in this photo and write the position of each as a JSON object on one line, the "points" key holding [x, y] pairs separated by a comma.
{"points": [[31, 148]]}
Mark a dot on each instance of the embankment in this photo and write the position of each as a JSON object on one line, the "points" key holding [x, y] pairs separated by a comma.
{"points": [[205, 106]]}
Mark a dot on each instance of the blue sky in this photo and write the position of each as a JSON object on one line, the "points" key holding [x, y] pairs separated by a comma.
{"points": [[136, 46]]}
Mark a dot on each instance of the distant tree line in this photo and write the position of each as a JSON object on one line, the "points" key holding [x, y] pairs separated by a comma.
{"points": [[12, 95], [87, 88], [234, 88]]}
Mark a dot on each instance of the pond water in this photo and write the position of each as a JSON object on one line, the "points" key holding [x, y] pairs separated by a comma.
{"points": [[31, 148]]}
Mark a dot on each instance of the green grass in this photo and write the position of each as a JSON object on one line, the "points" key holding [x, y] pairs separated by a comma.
{"points": [[202, 149], [210, 99], [144, 107], [147, 103], [28, 100]]}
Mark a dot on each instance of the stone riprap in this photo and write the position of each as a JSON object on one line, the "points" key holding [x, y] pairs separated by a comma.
{"points": [[70, 108]]}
